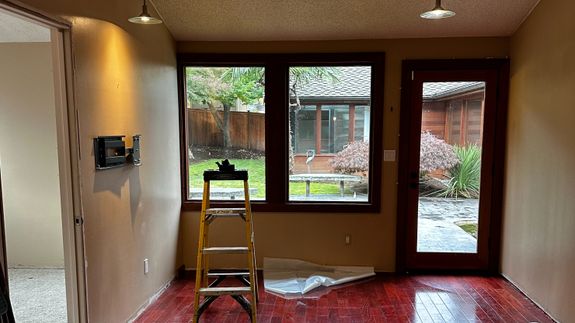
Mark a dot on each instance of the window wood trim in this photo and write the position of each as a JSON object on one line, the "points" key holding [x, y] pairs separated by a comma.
{"points": [[277, 80]]}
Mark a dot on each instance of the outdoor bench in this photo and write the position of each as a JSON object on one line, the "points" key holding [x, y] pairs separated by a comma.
{"points": [[324, 178]]}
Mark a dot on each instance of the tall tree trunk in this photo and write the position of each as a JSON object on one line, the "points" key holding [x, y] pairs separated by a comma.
{"points": [[223, 123], [291, 125], [226, 127]]}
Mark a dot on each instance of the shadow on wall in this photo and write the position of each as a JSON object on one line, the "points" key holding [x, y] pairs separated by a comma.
{"points": [[113, 180]]}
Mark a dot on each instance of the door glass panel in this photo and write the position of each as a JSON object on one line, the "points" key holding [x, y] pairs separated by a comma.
{"points": [[449, 166]]}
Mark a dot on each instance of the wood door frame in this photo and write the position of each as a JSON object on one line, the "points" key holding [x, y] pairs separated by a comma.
{"points": [[67, 131], [4, 286], [3, 238], [500, 68]]}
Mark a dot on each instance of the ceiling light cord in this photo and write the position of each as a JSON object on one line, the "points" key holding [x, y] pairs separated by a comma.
{"points": [[437, 4], [145, 18]]}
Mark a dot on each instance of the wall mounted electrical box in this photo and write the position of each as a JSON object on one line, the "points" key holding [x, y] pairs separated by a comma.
{"points": [[110, 152]]}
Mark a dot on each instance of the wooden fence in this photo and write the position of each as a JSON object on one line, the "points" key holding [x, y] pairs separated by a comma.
{"points": [[247, 129]]}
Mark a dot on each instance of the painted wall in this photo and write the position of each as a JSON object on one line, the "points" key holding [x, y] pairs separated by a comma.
{"points": [[125, 81], [539, 213], [321, 237], [28, 156]]}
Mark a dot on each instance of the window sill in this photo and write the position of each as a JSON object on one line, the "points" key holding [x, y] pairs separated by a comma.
{"points": [[311, 207]]}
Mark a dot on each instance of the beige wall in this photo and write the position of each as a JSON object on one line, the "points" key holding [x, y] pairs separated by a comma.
{"points": [[539, 213], [125, 79], [320, 237], [28, 156]]}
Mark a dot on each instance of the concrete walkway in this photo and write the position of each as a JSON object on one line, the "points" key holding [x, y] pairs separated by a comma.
{"points": [[437, 231]]}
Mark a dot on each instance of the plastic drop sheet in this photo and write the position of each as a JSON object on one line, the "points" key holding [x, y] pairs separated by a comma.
{"points": [[292, 277]]}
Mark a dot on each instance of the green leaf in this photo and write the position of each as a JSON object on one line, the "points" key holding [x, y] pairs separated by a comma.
{"points": [[465, 177]]}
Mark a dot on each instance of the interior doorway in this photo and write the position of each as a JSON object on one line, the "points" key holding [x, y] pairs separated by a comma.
{"points": [[43, 248], [453, 115]]}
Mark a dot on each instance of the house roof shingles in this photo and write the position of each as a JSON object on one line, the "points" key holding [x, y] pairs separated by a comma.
{"points": [[438, 90], [354, 82]]}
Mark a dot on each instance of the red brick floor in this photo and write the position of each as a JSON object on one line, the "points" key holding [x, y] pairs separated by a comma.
{"points": [[384, 298]]}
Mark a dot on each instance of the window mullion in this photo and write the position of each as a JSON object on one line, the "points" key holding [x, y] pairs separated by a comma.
{"points": [[276, 133]]}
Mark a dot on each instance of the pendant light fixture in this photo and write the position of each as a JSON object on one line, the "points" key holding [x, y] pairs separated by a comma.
{"points": [[144, 18], [438, 12]]}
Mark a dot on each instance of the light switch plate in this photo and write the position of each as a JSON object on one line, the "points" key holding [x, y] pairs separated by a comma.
{"points": [[389, 155]]}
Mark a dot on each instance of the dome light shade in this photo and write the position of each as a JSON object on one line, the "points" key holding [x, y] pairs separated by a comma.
{"points": [[145, 18], [438, 12]]}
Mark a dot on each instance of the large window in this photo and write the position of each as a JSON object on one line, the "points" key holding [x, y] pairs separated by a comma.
{"points": [[306, 127], [225, 115]]}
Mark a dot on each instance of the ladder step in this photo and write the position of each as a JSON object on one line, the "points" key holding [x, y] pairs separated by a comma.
{"points": [[216, 291], [225, 250], [233, 211], [229, 274]]}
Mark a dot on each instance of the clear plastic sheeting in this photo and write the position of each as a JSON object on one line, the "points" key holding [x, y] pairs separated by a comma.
{"points": [[292, 277]]}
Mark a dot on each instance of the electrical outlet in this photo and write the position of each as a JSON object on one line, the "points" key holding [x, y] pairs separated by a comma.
{"points": [[146, 266], [348, 239]]}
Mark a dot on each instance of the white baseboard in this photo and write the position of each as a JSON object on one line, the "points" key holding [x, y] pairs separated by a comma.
{"points": [[527, 295], [150, 300]]}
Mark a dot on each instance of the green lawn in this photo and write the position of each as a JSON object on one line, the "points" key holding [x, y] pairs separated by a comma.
{"points": [[257, 176], [470, 228]]}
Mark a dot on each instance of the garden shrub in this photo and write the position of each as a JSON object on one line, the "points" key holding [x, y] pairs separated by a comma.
{"points": [[435, 154], [352, 159], [466, 175]]}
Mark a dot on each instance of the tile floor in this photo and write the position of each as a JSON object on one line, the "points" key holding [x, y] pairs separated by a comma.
{"points": [[384, 298]]}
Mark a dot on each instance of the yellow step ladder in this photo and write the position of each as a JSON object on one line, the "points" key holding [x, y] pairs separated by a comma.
{"points": [[211, 291]]}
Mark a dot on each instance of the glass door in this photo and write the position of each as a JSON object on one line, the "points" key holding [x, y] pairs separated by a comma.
{"points": [[449, 165]]}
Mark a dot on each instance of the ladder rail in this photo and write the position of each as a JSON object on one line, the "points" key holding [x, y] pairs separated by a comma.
{"points": [[200, 259], [251, 249], [249, 278]]}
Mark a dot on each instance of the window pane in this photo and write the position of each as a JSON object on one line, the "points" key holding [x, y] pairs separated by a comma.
{"points": [[362, 120], [226, 120], [330, 115], [340, 125], [305, 135], [326, 138]]}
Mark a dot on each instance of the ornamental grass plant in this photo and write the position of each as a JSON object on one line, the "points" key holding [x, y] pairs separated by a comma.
{"points": [[465, 177]]}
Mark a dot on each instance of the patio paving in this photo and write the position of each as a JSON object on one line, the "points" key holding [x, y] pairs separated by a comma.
{"points": [[437, 231]]}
